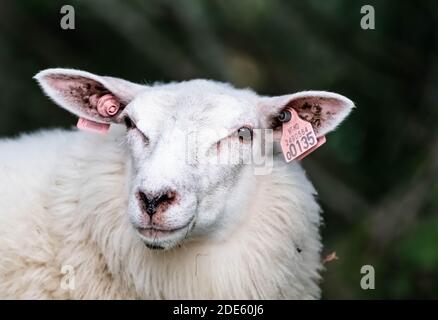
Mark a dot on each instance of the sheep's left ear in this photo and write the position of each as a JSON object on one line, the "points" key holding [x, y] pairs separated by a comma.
{"points": [[324, 110], [89, 96]]}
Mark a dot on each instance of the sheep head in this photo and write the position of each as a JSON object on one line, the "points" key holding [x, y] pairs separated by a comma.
{"points": [[192, 145]]}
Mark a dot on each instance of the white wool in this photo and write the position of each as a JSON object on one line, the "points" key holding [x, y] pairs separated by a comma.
{"points": [[69, 208], [66, 200]]}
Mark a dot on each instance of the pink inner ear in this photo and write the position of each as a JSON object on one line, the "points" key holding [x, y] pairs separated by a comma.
{"points": [[319, 111], [90, 96], [76, 85]]}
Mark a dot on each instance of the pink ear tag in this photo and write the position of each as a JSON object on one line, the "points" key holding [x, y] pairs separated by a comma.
{"points": [[320, 142], [93, 126], [298, 138], [107, 106]]}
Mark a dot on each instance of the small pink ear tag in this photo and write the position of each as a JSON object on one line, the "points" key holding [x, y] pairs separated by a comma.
{"points": [[93, 126], [108, 105], [298, 138]]}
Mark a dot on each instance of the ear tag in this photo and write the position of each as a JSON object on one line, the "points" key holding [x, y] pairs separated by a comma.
{"points": [[298, 138], [92, 126], [108, 105], [320, 142]]}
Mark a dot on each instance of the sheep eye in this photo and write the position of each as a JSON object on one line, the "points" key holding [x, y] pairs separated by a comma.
{"points": [[245, 134], [131, 125], [128, 123]]}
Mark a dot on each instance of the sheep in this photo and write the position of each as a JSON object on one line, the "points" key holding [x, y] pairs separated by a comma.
{"points": [[125, 215]]}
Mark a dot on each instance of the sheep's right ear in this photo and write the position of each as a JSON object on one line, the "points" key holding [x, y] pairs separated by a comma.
{"points": [[324, 110], [80, 92]]}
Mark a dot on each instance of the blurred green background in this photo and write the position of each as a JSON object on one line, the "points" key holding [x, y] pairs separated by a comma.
{"points": [[377, 175]]}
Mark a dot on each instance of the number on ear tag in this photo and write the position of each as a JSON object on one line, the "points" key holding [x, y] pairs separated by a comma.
{"points": [[298, 138]]}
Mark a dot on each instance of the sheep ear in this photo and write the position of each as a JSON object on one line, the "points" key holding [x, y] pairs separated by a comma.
{"points": [[81, 93], [324, 110]]}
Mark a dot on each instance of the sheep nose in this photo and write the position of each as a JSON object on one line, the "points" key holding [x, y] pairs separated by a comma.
{"points": [[152, 203]]}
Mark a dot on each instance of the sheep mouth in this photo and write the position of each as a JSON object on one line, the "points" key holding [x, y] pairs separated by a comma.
{"points": [[153, 232], [157, 232]]}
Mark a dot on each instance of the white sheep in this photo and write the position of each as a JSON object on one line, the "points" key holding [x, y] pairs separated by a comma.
{"points": [[84, 215]]}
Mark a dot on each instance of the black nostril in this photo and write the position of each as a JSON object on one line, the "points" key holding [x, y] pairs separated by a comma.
{"points": [[147, 205], [166, 197], [150, 204]]}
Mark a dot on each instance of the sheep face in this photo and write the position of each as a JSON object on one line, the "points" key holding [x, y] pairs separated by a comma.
{"points": [[192, 145]]}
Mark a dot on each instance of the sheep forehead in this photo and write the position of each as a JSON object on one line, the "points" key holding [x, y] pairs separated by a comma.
{"points": [[193, 105]]}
